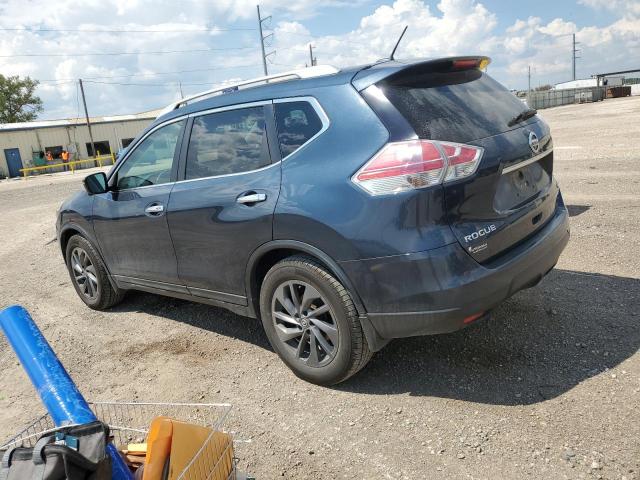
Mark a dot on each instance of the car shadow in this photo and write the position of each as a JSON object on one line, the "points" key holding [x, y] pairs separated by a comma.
{"points": [[537, 345], [206, 317], [575, 210]]}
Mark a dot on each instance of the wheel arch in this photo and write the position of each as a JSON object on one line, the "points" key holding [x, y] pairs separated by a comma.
{"points": [[268, 254], [71, 229]]}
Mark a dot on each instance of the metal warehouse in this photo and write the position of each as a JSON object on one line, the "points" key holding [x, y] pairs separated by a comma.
{"points": [[35, 144]]}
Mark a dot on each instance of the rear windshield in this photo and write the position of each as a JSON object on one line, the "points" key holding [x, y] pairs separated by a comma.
{"points": [[458, 107]]}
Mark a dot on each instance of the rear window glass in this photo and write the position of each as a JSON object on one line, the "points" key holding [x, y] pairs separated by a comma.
{"points": [[458, 107], [297, 123]]}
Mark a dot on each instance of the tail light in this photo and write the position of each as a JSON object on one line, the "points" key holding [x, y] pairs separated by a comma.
{"points": [[402, 166]]}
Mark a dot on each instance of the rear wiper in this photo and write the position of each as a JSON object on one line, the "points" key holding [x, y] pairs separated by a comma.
{"points": [[522, 116]]}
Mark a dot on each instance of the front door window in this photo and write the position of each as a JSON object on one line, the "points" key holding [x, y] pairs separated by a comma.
{"points": [[151, 161]]}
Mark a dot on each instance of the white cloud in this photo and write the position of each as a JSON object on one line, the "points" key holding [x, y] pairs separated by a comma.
{"points": [[547, 48], [623, 7], [457, 26], [449, 27], [467, 27]]}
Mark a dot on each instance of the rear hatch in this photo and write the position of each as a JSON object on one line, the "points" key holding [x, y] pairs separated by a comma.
{"points": [[512, 193]]}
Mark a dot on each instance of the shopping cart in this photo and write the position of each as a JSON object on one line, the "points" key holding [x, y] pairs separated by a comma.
{"points": [[129, 423]]}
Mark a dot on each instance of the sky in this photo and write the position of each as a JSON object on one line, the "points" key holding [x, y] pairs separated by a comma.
{"points": [[133, 54]]}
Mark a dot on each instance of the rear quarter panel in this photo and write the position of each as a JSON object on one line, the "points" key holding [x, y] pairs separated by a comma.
{"points": [[321, 206]]}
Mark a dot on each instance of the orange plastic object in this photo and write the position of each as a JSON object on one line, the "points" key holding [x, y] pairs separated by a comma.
{"points": [[213, 460], [187, 441], [158, 448], [198, 452]]}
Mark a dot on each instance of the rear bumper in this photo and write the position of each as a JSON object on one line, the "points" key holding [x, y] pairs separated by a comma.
{"points": [[434, 291]]}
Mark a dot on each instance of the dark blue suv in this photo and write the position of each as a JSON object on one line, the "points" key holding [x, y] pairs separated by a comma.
{"points": [[343, 208]]}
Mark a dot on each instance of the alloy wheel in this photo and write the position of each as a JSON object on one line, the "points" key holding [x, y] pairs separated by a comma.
{"points": [[305, 323], [84, 273]]}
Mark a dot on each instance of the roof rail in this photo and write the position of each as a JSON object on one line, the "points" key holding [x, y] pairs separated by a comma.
{"points": [[310, 72]]}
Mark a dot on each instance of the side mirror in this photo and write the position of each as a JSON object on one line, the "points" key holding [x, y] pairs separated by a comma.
{"points": [[96, 183]]}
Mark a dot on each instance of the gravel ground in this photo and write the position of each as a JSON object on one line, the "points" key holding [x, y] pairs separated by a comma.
{"points": [[548, 388]]}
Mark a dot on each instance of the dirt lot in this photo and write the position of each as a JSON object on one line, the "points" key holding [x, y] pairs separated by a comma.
{"points": [[549, 388]]}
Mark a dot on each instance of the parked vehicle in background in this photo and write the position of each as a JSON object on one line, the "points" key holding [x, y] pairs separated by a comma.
{"points": [[342, 208]]}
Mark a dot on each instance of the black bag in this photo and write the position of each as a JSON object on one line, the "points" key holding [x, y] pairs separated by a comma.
{"points": [[68, 453]]}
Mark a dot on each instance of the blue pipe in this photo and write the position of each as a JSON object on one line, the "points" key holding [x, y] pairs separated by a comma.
{"points": [[58, 393]]}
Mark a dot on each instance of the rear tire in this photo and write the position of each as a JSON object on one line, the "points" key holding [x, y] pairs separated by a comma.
{"points": [[89, 275], [311, 322]]}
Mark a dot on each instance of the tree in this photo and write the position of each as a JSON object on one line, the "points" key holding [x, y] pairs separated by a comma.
{"points": [[17, 100]]}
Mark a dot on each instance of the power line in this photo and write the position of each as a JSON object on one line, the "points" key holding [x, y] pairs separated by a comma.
{"points": [[83, 30], [148, 84], [65, 80], [158, 52]]}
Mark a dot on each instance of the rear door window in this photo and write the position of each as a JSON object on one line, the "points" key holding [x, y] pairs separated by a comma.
{"points": [[458, 107], [297, 123], [227, 142]]}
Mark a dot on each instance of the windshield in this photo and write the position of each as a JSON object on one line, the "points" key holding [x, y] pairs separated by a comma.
{"points": [[458, 107]]}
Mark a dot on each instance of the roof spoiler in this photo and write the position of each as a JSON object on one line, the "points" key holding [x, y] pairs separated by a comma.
{"points": [[387, 70]]}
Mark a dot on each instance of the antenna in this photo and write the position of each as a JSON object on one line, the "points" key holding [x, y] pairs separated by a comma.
{"points": [[393, 52]]}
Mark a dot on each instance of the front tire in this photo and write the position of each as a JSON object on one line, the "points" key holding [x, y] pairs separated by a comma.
{"points": [[89, 275], [311, 322]]}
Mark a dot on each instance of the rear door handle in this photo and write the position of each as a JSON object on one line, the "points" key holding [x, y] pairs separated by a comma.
{"points": [[252, 198], [154, 210]]}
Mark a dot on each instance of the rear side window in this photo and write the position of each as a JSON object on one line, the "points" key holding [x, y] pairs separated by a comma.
{"points": [[297, 123], [458, 106], [228, 142]]}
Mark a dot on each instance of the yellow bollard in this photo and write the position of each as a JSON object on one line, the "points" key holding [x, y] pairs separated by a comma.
{"points": [[99, 158]]}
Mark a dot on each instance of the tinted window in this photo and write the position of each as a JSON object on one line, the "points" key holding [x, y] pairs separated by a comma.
{"points": [[458, 107], [227, 142], [297, 122], [151, 161]]}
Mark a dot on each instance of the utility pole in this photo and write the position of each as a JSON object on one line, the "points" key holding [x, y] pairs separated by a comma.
{"points": [[263, 37], [86, 114], [573, 55], [529, 89], [314, 61]]}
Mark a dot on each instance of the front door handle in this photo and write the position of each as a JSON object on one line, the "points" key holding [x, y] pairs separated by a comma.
{"points": [[252, 198], [154, 210]]}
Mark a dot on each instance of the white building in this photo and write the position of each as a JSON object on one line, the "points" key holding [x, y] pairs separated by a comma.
{"points": [[25, 144], [589, 82]]}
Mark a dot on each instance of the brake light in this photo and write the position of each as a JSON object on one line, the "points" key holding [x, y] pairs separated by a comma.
{"points": [[468, 63], [465, 64], [402, 166]]}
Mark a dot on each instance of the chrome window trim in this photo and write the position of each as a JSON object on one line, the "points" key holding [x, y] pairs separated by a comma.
{"points": [[524, 163], [227, 174], [324, 119], [135, 147], [238, 106]]}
